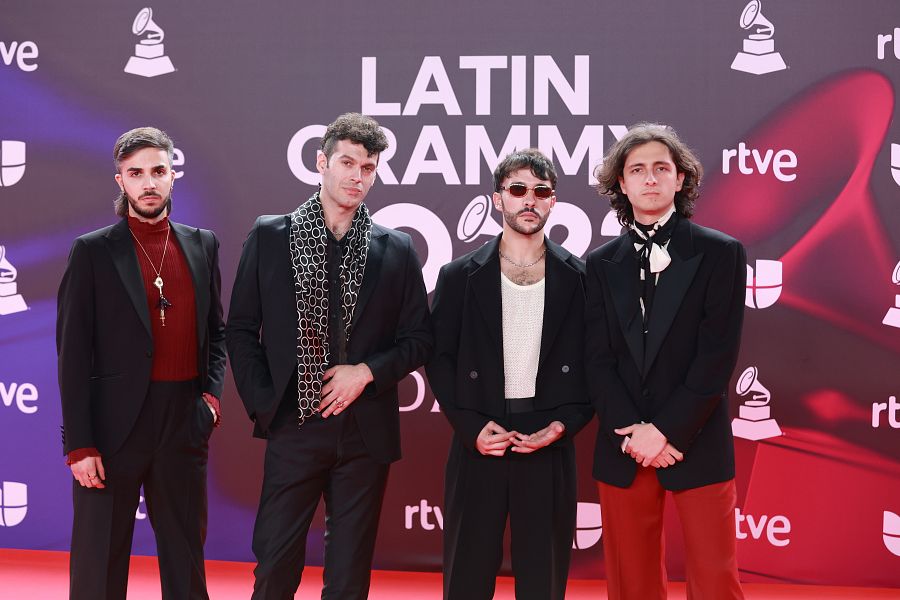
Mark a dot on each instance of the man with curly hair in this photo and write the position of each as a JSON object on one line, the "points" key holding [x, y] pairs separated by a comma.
{"points": [[328, 313], [665, 303]]}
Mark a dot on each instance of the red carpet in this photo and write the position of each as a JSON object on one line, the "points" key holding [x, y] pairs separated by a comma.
{"points": [[38, 575]]}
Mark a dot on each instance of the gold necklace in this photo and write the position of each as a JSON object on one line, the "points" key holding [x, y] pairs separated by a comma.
{"points": [[163, 303]]}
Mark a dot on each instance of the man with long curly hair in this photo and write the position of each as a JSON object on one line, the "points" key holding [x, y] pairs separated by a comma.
{"points": [[665, 303]]}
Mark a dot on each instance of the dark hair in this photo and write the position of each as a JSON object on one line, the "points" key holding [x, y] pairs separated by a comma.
{"points": [[357, 128], [613, 167], [129, 143], [540, 166]]}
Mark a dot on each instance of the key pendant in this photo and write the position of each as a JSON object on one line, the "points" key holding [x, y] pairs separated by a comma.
{"points": [[158, 282], [163, 305]]}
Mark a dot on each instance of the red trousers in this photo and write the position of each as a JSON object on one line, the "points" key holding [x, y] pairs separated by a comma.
{"points": [[633, 542]]}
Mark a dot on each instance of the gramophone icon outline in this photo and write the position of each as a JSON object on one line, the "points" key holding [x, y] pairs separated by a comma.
{"points": [[10, 300], [476, 221], [149, 58], [754, 420], [892, 316], [758, 56]]}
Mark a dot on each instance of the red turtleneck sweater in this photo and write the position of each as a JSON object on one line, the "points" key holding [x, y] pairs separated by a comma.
{"points": [[175, 344]]}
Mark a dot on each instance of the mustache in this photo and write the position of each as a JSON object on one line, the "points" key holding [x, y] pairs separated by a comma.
{"points": [[150, 194], [529, 210]]}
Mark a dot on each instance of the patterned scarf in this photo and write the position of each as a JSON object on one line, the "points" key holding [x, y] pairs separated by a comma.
{"points": [[308, 243], [650, 244]]}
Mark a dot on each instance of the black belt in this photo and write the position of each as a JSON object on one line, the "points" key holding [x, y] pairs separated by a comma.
{"points": [[519, 405]]}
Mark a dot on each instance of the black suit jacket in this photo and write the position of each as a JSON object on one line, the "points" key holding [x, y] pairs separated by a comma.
{"points": [[103, 335], [466, 373], [390, 329], [676, 376]]}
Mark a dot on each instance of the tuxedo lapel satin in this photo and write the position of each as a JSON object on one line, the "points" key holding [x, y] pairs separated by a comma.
{"points": [[673, 284], [623, 278], [374, 259], [192, 248], [561, 284], [484, 290], [124, 257]]}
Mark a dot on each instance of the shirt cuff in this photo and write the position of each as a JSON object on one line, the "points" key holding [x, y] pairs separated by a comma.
{"points": [[214, 403], [80, 454]]}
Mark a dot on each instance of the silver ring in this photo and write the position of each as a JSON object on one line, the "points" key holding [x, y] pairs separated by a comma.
{"points": [[92, 477]]}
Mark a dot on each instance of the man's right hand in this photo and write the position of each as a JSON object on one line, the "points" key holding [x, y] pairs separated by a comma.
{"points": [[89, 472], [494, 440], [668, 457]]}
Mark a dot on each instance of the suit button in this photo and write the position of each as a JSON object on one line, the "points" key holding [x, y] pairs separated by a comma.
{"points": [[565, 368], [473, 374], [645, 393], [149, 353]]}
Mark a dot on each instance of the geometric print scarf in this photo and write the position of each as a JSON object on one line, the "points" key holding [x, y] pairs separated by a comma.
{"points": [[308, 244]]}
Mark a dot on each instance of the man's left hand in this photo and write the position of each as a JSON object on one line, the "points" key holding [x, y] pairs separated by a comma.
{"points": [[524, 444], [646, 442], [343, 385]]}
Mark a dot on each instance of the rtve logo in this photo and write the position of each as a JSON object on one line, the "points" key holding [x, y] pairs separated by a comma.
{"points": [[884, 40], [23, 395], [764, 284], [892, 410], [13, 503], [12, 161], [780, 161], [20, 53], [425, 512], [775, 529]]}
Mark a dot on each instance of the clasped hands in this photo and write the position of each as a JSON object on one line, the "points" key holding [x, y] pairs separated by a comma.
{"points": [[494, 440], [648, 446]]}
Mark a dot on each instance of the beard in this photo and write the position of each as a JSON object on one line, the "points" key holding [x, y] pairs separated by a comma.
{"points": [[145, 213], [512, 219]]}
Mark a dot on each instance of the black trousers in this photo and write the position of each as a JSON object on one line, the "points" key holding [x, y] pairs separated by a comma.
{"points": [[166, 452], [322, 458], [536, 492]]}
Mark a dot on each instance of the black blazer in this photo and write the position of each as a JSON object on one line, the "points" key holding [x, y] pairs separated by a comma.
{"points": [[466, 373], [103, 335], [391, 330], [676, 376]]}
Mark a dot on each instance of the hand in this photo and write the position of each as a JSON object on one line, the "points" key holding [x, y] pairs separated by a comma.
{"points": [[89, 472], [493, 440], [343, 385], [524, 444], [668, 457], [646, 442]]}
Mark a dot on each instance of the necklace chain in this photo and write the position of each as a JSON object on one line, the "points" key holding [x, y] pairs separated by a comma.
{"points": [[144, 250], [512, 262]]}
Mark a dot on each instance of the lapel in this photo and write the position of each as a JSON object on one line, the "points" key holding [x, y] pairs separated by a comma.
{"points": [[670, 289], [124, 257], [623, 277], [484, 289], [374, 258], [188, 238], [561, 283]]}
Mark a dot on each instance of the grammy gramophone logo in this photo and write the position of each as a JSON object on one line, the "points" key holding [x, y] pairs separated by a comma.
{"points": [[149, 58], [754, 420], [11, 300], [758, 55]]}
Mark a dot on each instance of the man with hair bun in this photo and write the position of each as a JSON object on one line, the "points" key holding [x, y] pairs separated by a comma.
{"points": [[665, 305], [328, 313]]}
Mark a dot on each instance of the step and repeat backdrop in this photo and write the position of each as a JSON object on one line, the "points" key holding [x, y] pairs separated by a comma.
{"points": [[790, 104]]}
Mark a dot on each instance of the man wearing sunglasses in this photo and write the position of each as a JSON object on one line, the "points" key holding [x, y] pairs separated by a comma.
{"points": [[664, 313], [508, 372]]}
